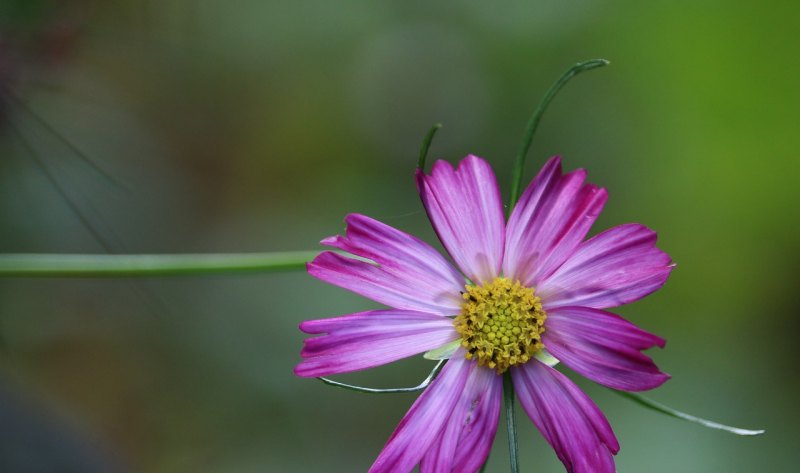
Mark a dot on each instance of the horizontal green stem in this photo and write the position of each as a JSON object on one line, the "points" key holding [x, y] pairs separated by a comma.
{"points": [[128, 266]]}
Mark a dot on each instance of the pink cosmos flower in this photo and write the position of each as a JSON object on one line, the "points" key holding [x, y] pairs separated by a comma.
{"points": [[534, 290]]}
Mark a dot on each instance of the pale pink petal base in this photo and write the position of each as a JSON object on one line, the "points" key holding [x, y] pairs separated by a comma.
{"points": [[603, 347], [570, 422], [368, 339], [425, 420], [465, 442]]}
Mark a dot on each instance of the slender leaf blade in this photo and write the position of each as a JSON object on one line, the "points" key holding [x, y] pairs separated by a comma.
{"points": [[663, 409], [361, 389]]}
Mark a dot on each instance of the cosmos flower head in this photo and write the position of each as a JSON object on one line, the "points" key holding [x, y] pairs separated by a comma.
{"points": [[521, 296]]}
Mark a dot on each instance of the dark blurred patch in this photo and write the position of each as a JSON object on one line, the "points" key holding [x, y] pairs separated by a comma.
{"points": [[35, 37], [32, 441]]}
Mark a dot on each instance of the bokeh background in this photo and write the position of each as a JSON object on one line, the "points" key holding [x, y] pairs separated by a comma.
{"points": [[206, 126]]}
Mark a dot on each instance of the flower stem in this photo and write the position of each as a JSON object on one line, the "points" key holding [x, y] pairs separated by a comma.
{"points": [[426, 144], [511, 421], [125, 266], [658, 407], [361, 389], [533, 123]]}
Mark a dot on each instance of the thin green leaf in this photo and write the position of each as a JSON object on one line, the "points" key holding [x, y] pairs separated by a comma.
{"points": [[658, 407], [511, 421], [424, 384], [126, 266], [426, 144], [533, 123]]}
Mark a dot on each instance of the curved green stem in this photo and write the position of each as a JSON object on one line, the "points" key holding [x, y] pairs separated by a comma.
{"points": [[533, 123], [426, 144], [424, 384], [658, 407], [511, 421], [127, 266]]}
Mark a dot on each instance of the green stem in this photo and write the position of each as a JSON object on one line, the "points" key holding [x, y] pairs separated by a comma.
{"points": [[424, 384], [125, 266], [658, 407], [533, 123], [511, 421], [426, 144]]}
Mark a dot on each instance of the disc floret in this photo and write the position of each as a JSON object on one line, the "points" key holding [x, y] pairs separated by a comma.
{"points": [[501, 323]]}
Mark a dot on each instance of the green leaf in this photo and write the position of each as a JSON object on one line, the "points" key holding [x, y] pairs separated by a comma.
{"points": [[424, 384], [426, 144], [126, 266], [658, 407], [533, 123]]}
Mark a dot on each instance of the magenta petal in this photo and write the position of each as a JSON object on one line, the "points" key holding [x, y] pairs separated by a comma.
{"points": [[613, 268], [551, 219], [367, 339], [603, 347], [423, 423], [410, 274], [466, 210], [569, 421], [465, 442]]}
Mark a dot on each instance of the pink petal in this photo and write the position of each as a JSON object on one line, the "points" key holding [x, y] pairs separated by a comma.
{"points": [[465, 442], [549, 222], [423, 423], [466, 210], [410, 274], [603, 347], [613, 268], [368, 339], [570, 422]]}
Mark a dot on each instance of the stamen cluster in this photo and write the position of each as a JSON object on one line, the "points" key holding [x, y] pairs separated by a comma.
{"points": [[501, 323]]}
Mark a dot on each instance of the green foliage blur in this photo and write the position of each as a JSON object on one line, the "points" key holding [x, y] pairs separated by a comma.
{"points": [[179, 126]]}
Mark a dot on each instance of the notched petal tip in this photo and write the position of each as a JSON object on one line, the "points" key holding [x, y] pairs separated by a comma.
{"points": [[604, 347], [472, 160], [307, 326], [300, 370], [554, 160], [466, 211], [331, 240], [656, 381]]}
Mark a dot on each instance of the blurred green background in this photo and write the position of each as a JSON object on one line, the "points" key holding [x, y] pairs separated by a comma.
{"points": [[256, 126]]}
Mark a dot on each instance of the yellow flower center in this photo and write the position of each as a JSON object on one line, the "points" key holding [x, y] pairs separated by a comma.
{"points": [[501, 323]]}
